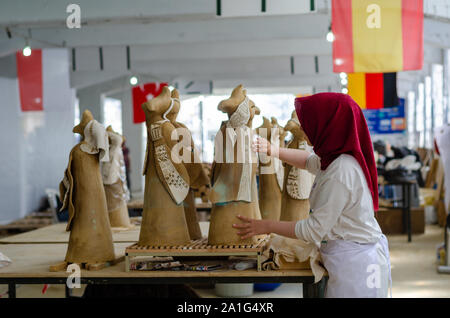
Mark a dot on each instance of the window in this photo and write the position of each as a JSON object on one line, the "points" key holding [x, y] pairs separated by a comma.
{"points": [[428, 114], [201, 116], [411, 120], [112, 114], [420, 114], [77, 116], [437, 93]]}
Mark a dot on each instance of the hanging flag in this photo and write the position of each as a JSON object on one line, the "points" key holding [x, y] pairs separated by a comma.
{"points": [[141, 94], [29, 76], [374, 36], [373, 90]]}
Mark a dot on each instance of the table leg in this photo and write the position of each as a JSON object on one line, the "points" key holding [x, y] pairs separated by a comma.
{"points": [[68, 291], [311, 290], [12, 290], [408, 211]]}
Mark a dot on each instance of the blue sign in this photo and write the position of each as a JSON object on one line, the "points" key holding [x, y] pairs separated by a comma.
{"points": [[389, 120]]}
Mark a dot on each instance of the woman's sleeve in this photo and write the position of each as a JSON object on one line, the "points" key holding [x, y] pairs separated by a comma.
{"points": [[330, 203], [313, 163]]}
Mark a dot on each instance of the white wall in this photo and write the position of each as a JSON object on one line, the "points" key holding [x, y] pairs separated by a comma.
{"points": [[11, 164], [35, 145]]}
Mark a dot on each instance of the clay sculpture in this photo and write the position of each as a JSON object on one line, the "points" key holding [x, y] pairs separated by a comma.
{"points": [[166, 179], [115, 183], [297, 182], [197, 175], [82, 193], [271, 172], [233, 174]]}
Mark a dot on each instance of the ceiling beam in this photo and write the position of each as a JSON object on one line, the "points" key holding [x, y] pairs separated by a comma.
{"points": [[203, 31], [44, 13]]}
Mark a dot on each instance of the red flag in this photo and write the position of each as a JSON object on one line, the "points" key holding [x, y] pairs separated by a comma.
{"points": [[373, 90], [377, 36], [29, 75], [141, 94]]}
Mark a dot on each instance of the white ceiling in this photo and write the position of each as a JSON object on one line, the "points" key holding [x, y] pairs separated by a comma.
{"points": [[180, 39]]}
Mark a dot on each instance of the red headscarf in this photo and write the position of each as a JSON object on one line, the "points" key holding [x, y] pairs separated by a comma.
{"points": [[335, 125]]}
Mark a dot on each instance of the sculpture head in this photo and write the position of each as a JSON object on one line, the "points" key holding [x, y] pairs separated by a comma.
{"points": [[293, 126], [86, 117], [267, 126], [281, 131], [230, 105], [115, 139], [173, 114], [156, 108]]}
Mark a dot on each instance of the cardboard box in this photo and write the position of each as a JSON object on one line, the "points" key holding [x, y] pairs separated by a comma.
{"points": [[391, 220]]}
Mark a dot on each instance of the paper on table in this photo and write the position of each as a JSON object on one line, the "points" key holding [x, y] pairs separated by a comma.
{"points": [[4, 260]]}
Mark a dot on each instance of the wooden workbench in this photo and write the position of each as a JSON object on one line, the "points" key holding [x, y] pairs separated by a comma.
{"points": [[33, 252], [56, 233], [31, 266]]}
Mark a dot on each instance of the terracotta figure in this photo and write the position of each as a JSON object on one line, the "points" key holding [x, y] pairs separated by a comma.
{"points": [[166, 181], [271, 172], [115, 182], [233, 174], [297, 182], [197, 176], [82, 193]]}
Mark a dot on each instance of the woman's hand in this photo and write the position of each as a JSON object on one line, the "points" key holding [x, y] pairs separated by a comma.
{"points": [[262, 145], [251, 227]]}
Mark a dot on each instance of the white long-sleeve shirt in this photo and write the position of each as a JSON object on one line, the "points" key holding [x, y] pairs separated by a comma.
{"points": [[341, 204]]}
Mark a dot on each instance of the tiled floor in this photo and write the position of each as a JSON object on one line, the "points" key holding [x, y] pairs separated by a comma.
{"points": [[413, 272]]}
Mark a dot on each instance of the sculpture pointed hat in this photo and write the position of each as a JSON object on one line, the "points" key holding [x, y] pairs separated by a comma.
{"points": [[86, 117]]}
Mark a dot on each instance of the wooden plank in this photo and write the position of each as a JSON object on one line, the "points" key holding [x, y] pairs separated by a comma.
{"points": [[201, 249]]}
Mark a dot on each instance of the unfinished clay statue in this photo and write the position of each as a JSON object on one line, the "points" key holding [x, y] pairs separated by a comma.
{"points": [[166, 181], [281, 132], [115, 182], [82, 193], [197, 176], [297, 182], [234, 170], [271, 172]]}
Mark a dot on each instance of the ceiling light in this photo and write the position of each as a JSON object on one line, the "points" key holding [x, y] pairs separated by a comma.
{"points": [[133, 80], [26, 50], [330, 35], [344, 90]]}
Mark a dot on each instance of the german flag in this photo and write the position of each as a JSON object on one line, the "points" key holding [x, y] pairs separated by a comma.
{"points": [[373, 90], [377, 36]]}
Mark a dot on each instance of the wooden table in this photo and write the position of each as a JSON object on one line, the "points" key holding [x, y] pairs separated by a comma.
{"points": [[56, 233], [31, 266], [406, 203]]}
